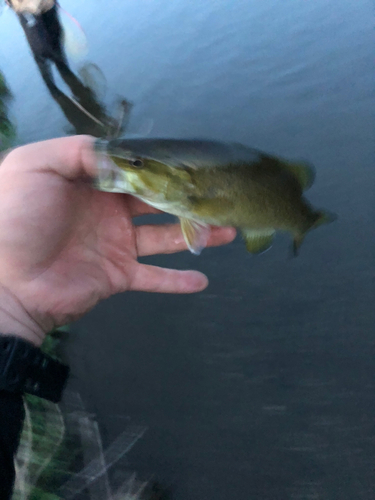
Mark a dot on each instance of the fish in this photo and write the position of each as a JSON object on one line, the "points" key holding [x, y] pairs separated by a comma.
{"points": [[211, 183]]}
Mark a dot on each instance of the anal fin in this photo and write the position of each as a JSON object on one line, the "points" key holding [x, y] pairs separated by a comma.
{"points": [[258, 241], [196, 234]]}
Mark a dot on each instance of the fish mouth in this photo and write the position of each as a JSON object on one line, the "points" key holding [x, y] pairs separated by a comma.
{"points": [[110, 178]]}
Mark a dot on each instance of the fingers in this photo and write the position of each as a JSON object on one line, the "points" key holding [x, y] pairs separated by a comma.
{"points": [[71, 157], [168, 238], [157, 279]]}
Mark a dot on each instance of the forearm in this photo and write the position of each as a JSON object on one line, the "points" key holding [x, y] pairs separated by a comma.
{"points": [[15, 320]]}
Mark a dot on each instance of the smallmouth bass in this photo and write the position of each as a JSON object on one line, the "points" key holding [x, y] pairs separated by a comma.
{"points": [[215, 183]]}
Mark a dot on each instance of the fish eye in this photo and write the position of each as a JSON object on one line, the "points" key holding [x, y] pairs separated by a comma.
{"points": [[138, 163]]}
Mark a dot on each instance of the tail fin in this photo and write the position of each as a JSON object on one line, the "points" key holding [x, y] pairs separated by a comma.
{"points": [[319, 218], [323, 217]]}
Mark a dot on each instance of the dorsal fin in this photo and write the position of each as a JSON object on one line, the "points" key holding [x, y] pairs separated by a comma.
{"points": [[303, 172]]}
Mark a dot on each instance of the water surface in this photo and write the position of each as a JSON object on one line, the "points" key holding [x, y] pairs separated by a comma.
{"points": [[261, 387]]}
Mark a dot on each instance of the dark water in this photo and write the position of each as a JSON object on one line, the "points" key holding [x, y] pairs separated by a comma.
{"points": [[263, 386]]}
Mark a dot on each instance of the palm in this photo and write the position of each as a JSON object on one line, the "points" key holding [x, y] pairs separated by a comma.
{"points": [[65, 246], [93, 258]]}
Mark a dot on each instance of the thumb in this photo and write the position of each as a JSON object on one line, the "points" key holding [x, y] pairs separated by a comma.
{"points": [[70, 157]]}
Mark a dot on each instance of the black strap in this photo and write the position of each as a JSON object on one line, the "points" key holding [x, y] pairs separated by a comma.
{"points": [[11, 419], [25, 368]]}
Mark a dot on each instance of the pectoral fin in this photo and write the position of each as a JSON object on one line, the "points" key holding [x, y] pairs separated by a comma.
{"points": [[258, 241], [196, 234]]}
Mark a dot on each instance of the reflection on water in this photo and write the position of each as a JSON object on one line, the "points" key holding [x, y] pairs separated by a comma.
{"points": [[83, 109], [86, 114], [45, 36]]}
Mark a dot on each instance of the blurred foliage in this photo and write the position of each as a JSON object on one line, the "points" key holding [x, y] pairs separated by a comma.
{"points": [[50, 452], [44, 453], [7, 129]]}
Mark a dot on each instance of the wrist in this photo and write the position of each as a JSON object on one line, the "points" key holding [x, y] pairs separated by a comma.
{"points": [[15, 320]]}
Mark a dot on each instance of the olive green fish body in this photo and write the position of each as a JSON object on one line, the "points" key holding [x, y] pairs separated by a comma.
{"points": [[247, 195], [213, 183]]}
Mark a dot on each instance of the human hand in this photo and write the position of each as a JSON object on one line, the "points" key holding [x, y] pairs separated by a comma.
{"points": [[65, 246]]}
